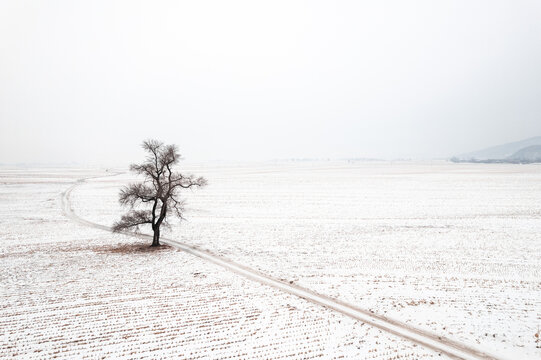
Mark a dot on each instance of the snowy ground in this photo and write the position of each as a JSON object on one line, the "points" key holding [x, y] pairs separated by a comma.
{"points": [[70, 291], [450, 248]]}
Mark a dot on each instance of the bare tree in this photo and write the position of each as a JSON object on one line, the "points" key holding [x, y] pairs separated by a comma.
{"points": [[159, 190]]}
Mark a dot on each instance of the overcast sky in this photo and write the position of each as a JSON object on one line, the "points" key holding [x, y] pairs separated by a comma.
{"points": [[87, 81]]}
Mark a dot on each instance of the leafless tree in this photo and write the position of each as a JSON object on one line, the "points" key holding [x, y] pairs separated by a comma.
{"points": [[159, 190]]}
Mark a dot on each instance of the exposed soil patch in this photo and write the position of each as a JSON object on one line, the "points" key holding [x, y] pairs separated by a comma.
{"points": [[141, 247]]}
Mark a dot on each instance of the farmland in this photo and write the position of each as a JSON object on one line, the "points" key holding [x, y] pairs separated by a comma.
{"points": [[452, 249]]}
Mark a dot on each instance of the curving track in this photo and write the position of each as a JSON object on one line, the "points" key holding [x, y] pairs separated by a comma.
{"points": [[427, 339]]}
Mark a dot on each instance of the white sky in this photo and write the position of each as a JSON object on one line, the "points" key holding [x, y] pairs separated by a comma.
{"points": [[87, 81]]}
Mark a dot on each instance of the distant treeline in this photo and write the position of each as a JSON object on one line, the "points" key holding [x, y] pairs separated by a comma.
{"points": [[495, 161]]}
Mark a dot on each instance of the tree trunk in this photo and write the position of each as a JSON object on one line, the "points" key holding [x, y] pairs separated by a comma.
{"points": [[156, 238]]}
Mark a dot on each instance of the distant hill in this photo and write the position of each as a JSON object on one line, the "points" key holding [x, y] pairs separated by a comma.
{"points": [[511, 152], [529, 154]]}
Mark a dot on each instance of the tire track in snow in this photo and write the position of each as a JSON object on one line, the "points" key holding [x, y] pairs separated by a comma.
{"points": [[451, 348]]}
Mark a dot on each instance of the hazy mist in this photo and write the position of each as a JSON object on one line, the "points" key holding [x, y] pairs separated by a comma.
{"points": [[87, 81]]}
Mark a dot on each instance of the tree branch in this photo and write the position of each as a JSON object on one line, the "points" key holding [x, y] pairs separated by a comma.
{"points": [[187, 181], [133, 219], [134, 193]]}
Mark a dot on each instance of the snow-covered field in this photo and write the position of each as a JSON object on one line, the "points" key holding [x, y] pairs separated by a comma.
{"points": [[450, 248]]}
